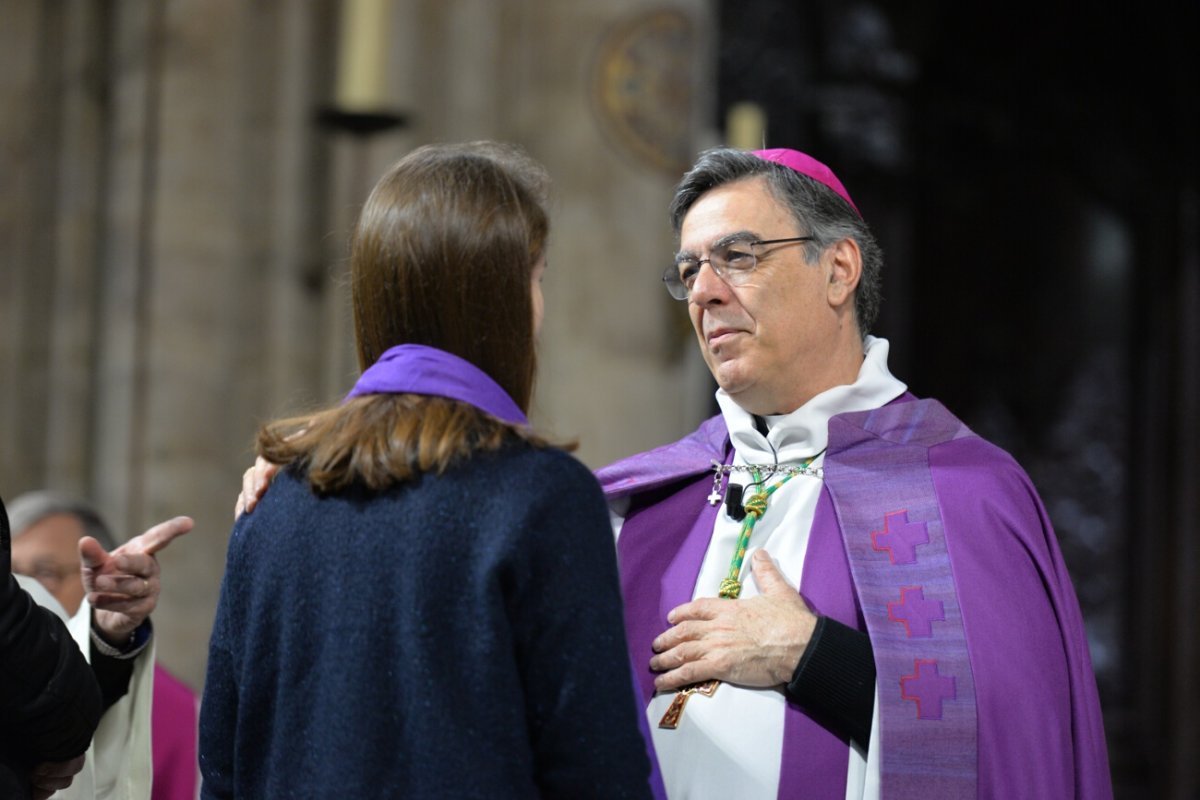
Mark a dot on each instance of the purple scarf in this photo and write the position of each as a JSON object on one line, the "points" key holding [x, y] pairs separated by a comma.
{"points": [[417, 369]]}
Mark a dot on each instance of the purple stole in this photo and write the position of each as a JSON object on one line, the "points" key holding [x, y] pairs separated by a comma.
{"points": [[881, 485], [878, 508]]}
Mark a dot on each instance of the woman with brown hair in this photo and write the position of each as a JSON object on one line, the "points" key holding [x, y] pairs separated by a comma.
{"points": [[426, 604]]}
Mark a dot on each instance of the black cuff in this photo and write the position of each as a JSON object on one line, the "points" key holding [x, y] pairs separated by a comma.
{"points": [[835, 680], [113, 675], [113, 666], [130, 650]]}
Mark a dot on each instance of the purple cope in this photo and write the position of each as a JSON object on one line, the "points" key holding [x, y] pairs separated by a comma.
{"points": [[934, 541]]}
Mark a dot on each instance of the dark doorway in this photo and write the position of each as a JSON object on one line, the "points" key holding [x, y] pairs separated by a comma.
{"points": [[1032, 176]]}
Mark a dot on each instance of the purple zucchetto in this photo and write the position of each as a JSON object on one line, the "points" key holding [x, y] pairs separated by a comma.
{"points": [[807, 165]]}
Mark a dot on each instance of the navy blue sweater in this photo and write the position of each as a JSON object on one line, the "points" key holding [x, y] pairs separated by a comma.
{"points": [[456, 636]]}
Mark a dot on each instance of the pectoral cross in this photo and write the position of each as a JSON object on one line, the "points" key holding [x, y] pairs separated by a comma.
{"points": [[715, 496], [670, 720]]}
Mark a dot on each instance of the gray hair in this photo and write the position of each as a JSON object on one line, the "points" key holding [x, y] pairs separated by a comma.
{"points": [[818, 209], [30, 508]]}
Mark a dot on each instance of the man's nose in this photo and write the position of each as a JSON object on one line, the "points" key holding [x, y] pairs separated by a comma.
{"points": [[708, 286]]}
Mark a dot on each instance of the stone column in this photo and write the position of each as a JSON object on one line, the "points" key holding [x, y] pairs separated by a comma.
{"points": [[174, 230]]}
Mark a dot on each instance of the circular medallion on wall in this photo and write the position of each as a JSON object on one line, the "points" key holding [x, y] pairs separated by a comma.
{"points": [[642, 84]]}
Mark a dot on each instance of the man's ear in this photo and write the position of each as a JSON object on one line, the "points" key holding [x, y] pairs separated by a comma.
{"points": [[845, 271]]}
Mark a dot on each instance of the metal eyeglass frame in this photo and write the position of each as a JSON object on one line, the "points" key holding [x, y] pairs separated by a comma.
{"points": [[680, 291]]}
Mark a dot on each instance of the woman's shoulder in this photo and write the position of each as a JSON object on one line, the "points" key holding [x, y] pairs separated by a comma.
{"points": [[535, 479], [288, 503], [522, 460]]}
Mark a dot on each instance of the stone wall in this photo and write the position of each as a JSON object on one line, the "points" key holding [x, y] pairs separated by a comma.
{"points": [[173, 228]]}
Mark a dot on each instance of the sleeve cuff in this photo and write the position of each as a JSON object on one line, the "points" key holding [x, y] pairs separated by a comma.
{"points": [[835, 680], [137, 642]]}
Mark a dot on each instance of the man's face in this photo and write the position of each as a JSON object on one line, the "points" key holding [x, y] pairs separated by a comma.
{"points": [[763, 340], [48, 551]]}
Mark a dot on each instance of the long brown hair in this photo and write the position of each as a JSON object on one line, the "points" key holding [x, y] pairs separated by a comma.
{"points": [[442, 255]]}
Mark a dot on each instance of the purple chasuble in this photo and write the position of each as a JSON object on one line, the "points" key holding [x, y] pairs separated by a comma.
{"points": [[418, 369], [935, 542]]}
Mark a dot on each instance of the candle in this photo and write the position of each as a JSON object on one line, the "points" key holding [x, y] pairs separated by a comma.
{"points": [[362, 58], [746, 126]]}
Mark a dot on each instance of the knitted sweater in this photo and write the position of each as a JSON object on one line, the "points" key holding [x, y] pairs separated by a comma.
{"points": [[456, 636]]}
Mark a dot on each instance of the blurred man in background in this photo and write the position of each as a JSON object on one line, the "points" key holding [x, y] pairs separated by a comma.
{"points": [[46, 530]]}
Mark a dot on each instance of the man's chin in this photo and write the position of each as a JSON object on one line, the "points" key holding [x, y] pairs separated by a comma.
{"points": [[743, 390], [731, 379]]}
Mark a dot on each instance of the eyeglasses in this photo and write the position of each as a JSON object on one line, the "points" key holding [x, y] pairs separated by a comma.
{"points": [[50, 575], [733, 261]]}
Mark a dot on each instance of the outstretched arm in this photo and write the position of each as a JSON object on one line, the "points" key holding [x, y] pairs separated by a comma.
{"points": [[123, 586], [47, 691]]}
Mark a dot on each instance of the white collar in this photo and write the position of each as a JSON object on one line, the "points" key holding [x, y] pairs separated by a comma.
{"points": [[805, 432]]}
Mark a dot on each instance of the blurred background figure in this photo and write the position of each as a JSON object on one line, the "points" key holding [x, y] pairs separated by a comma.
{"points": [[46, 529]]}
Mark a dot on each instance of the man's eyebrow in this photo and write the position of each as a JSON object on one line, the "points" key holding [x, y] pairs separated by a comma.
{"points": [[729, 238], [36, 563], [737, 236]]}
